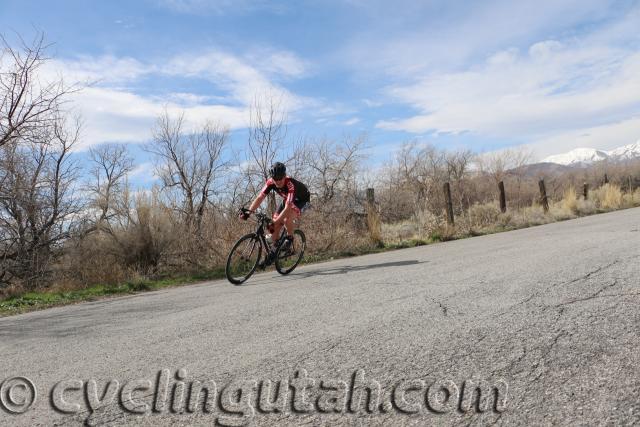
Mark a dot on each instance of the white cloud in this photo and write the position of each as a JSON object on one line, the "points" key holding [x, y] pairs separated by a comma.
{"points": [[549, 88], [351, 121], [221, 7], [372, 104], [114, 111], [322, 108], [604, 137], [550, 92], [285, 63], [143, 173], [119, 116], [188, 99], [407, 37], [106, 69], [235, 75], [278, 63]]}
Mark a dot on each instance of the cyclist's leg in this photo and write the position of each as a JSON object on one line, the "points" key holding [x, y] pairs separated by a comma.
{"points": [[277, 227], [293, 214]]}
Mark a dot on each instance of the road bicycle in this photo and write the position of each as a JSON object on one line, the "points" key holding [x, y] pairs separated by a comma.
{"points": [[246, 254]]}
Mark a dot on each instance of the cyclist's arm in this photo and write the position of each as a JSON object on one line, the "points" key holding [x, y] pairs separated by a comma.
{"points": [[263, 193], [257, 202]]}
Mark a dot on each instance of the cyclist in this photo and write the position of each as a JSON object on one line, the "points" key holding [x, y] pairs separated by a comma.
{"points": [[295, 196]]}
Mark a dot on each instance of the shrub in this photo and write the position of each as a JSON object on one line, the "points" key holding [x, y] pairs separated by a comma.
{"points": [[569, 202], [443, 233], [534, 215], [631, 199], [423, 225], [586, 207], [483, 215], [608, 196], [399, 231], [426, 222]]}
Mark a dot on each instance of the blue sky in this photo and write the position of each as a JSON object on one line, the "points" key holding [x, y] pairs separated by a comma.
{"points": [[550, 75]]}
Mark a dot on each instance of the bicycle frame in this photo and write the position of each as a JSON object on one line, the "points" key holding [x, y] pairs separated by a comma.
{"points": [[263, 221]]}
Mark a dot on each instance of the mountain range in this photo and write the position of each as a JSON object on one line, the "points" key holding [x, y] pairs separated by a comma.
{"points": [[587, 156]]}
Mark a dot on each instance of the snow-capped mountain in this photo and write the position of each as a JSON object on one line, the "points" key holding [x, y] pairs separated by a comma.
{"points": [[586, 156], [579, 155], [626, 152]]}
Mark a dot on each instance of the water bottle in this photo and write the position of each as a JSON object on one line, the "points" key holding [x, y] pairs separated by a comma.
{"points": [[269, 239]]}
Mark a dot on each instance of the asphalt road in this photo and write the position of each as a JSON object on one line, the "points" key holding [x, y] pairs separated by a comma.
{"points": [[552, 312]]}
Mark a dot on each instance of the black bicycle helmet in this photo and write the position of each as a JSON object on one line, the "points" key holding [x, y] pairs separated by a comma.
{"points": [[278, 170]]}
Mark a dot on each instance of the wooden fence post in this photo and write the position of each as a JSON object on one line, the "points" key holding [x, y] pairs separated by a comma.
{"points": [[543, 196], [447, 196], [503, 197], [585, 191]]}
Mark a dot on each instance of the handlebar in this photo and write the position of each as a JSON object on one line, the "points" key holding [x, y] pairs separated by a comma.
{"points": [[259, 216]]}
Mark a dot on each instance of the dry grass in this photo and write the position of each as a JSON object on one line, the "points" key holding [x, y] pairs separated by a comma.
{"points": [[631, 199], [482, 215], [608, 197], [483, 218], [399, 231], [422, 226], [569, 202], [587, 207], [427, 222]]}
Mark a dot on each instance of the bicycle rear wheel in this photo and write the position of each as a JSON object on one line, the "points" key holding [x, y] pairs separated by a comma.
{"points": [[243, 258], [288, 258]]}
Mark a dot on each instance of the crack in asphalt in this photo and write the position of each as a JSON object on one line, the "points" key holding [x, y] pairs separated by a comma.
{"points": [[538, 369], [545, 289], [590, 297]]}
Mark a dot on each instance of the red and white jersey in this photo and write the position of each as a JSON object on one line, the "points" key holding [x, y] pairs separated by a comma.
{"points": [[290, 191]]}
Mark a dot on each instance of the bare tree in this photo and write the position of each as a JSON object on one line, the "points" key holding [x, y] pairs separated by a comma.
{"points": [[267, 133], [422, 170], [499, 164], [494, 165], [133, 229], [458, 171], [333, 166], [190, 166], [189, 163], [38, 204], [28, 104], [506, 164], [111, 165]]}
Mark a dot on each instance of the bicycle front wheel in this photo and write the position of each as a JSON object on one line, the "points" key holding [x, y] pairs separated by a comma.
{"points": [[243, 258], [289, 256]]}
